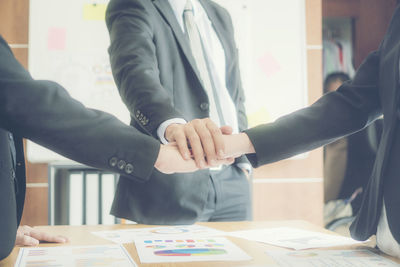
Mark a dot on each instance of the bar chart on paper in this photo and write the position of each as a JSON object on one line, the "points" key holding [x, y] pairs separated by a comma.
{"points": [[188, 250]]}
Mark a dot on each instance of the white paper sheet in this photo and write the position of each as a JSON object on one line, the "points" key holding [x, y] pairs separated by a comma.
{"points": [[329, 258], [188, 250], [294, 238], [79, 256], [130, 235]]}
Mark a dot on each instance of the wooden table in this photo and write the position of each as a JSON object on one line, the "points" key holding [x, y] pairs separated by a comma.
{"points": [[81, 235]]}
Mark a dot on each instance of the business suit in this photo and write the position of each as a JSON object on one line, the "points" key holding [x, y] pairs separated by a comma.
{"points": [[157, 78], [361, 154], [44, 112], [373, 91]]}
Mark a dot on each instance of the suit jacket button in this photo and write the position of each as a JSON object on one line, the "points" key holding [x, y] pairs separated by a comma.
{"points": [[128, 168], [121, 164], [204, 106], [113, 161]]}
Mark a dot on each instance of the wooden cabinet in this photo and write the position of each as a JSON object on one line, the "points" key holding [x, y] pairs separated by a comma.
{"points": [[371, 19]]}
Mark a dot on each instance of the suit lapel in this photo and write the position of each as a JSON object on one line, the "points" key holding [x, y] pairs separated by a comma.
{"points": [[166, 11]]}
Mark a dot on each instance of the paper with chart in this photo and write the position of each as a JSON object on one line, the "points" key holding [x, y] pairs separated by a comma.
{"points": [[188, 250], [294, 238], [130, 235], [329, 258], [79, 256]]}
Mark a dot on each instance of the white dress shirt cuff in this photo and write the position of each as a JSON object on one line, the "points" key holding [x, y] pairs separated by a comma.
{"points": [[163, 126]]}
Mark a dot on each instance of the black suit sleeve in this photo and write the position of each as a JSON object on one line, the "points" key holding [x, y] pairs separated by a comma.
{"points": [[44, 112], [353, 106], [135, 66]]}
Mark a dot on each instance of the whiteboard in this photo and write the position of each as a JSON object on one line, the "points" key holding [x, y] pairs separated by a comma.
{"points": [[271, 37], [68, 43]]}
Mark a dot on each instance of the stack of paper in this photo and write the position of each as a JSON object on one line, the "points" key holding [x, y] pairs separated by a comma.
{"points": [[294, 238], [329, 258], [130, 235], [63, 256]]}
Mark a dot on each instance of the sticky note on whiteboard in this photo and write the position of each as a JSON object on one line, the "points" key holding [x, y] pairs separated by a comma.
{"points": [[56, 38], [269, 64], [94, 11]]}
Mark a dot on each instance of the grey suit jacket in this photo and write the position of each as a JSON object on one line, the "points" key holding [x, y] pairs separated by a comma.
{"points": [[44, 112], [373, 91], [157, 79]]}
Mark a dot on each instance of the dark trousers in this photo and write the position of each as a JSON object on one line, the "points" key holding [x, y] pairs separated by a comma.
{"points": [[229, 197]]}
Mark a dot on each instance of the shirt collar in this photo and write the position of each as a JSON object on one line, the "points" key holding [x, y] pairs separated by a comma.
{"points": [[179, 5]]}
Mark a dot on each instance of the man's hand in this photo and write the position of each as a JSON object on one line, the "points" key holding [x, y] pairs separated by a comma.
{"points": [[170, 161], [237, 145], [204, 138], [28, 236]]}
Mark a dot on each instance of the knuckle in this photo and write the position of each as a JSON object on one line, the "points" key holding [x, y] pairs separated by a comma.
{"points": [[215, 131]]}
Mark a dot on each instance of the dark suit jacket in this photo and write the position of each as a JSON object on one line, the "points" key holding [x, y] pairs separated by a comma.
{"points": [[157, 79], [44, 112], [373, 91], [361, 153]]}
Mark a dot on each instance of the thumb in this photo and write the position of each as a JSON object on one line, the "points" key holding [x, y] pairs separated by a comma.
{"points": [[226, 129]]}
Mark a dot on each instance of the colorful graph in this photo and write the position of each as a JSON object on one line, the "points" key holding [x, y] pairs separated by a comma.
{"points": [[185, 249], [155, 246], [190, 252]]}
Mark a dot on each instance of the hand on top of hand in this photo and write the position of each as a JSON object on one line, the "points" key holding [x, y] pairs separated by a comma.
{"points": [[200, 139]]}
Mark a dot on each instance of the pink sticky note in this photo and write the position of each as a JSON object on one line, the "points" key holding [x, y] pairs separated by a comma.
{"points": [[56, 38], [269, 64]]}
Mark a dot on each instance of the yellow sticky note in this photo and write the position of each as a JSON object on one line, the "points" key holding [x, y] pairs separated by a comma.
{"points": [[94, 11], [258, 117]]}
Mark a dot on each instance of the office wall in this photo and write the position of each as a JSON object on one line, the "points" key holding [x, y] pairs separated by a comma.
{"points": [[293, 188]]}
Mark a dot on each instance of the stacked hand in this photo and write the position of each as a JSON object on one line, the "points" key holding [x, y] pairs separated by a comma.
{"points": [[237, 145], [28, 236], [202, 140], [200, 144]]}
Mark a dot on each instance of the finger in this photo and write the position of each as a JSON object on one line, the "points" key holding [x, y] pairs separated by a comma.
{"points": [[207, 142], [229, 161], [25, 229], [42, 236], [226, 161], [25, 240], [226, 129], [195, 143], [216, 133], [181, 142]]}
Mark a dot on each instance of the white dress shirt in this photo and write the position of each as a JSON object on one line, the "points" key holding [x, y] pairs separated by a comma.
{"points": [[384, 238], [216, 57]]}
